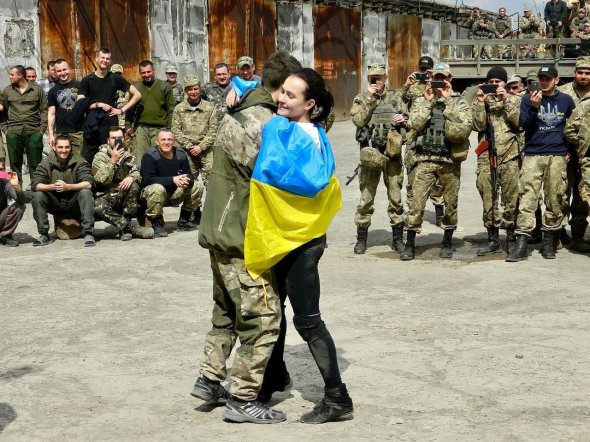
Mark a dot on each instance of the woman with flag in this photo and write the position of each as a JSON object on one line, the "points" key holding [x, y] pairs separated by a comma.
{"points": [[294, 195]]}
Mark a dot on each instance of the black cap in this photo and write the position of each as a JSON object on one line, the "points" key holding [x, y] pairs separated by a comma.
{"points": [[425, 62], [498, 73], [548, 71]]}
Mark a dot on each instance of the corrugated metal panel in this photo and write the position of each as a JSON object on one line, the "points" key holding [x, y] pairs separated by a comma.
{"points": [[74, 29], [431, 32], [404, 43], [338, 53], [295, 31], [241, 27], [374, 42]]}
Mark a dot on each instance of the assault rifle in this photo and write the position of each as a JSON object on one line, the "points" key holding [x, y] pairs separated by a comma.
{"points": [[492, 154], [349, 179]]}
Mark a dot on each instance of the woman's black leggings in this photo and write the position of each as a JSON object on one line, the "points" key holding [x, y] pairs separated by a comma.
{"points": [[298, 279]]}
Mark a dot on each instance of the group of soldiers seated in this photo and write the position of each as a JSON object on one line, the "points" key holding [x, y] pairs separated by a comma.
{"points": [[559, 20]]}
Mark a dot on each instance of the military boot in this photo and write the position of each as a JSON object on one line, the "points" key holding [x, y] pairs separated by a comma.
{"points": [[439, 211], [518, 251], [510, 238], [361, 240], [578, 243], [548, 245], [493, 244], [536, 234], [196, 216], [398, 238], [446, 250], [564, 237], [184, 221], [335, 406], [410, 248], [158, 226]]}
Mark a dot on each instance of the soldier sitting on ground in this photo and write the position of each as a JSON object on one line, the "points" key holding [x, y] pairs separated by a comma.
{"points": [[12, 207], [62, 185], [167, 180], [117, 181]]}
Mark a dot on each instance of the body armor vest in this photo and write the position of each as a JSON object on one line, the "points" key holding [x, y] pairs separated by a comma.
{"points": [[432, 140], [376, 130]]}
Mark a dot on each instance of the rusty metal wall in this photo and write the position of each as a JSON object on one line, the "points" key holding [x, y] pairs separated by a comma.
{"points": [[180, 37], [295, 31], [19, 36], [338, 53], [404, 44], [374, 42], [74, 29], [241, 27]]}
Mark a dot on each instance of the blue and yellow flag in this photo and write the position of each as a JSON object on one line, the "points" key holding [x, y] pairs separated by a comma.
{"points": [[294, 194]]}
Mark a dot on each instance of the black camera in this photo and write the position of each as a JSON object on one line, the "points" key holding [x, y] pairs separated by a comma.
{"points": [[535, 86], [119, 142], [422, 77], [373, 80], [438, 84], [489, 88]]}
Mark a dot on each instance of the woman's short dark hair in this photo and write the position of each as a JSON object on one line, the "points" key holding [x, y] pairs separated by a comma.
{"points": [[316, 90]]}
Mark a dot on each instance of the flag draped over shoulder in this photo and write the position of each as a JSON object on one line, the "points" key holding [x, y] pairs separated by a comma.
{"points": [[294, 194]]}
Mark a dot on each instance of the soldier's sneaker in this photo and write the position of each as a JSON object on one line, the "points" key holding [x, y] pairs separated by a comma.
{"points": [[126, 236], [209, 391], [254, 412], [89, 241], [43, 240]]}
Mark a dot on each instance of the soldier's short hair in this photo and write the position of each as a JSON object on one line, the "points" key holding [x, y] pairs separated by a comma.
{"points": [[63, 137], [146, 63], [221, 65], [103, 50], [114, 129], [19, 68], [277, 68]]}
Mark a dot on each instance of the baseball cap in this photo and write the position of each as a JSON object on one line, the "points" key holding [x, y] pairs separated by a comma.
{"points": [[583, 62], [547, 71], [531, 75], [425, 62], [191, 80], [170, 68], [116, 68], [441, 68], [514, 79], [245, 60], [377, 69]]}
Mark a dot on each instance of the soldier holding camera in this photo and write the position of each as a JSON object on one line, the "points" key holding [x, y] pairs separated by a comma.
{"points": [[442, 122], [379, 118], [496, 116], [118, 186]]}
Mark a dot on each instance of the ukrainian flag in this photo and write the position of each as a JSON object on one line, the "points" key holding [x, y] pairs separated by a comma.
{"points": [[294, 194]]}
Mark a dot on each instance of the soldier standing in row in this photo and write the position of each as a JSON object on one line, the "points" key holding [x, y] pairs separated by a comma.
{"points": [[442, 123], [528, 27], [375, 114], [172, 80], [484, 30], [503, 29], [496, 114], [215, 91]]}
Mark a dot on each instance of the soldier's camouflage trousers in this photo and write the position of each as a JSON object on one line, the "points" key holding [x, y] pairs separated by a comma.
{"points": [[156, 198], [486, 52], [584, 187], [242, 309], [427, 172], [145, 137], [393, 177], [549, 173], [410, 163], [77, 142], [118, 209], [202, 165], [577, 209], [507, 184]]}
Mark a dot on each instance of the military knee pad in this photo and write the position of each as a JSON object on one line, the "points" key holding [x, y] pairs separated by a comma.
{"points": [[310, 328]]}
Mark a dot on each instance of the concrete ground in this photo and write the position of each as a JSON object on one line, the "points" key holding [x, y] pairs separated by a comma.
{"points": [[103, 343]]}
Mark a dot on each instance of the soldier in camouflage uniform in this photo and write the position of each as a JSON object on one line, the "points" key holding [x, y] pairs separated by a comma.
{"points": [[576, 25], [528, 27], [375, 115], [578, 209], [543, 116], [502, 29], [442, 123], [243, 308], [503, 112], [172, 80], [117, 187], [410, 92], [474, 17], [215, 91], [484, 30]]}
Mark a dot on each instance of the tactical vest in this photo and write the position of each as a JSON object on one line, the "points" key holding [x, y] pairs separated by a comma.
{"points": [[376, 130], [431, 141]]}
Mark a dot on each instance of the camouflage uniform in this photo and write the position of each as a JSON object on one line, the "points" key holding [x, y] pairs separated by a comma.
{"points": [[575, 25], [577, 132], [484, 32], [215, 93], [457, 128], [112, 205], [196, 126], [362, 112], [243, 308], [529, 28], [502, 29], [505, 117], [177, 92]]}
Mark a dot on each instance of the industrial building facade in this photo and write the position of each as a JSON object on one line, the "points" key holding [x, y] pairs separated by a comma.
{"points": [[338, 38]]}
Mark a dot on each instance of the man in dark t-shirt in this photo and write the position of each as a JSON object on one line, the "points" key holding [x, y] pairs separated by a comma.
{"points": [[60, 101], [101, 87]]}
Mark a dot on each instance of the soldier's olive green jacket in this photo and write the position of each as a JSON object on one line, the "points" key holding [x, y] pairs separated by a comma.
{"points": [[363, 107], [503, 27], [505, 116], [529, 25], [26, 111], [195, 127], [225, 212], [76, 170], [577, 128], [458, 124], [108, 175]]}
